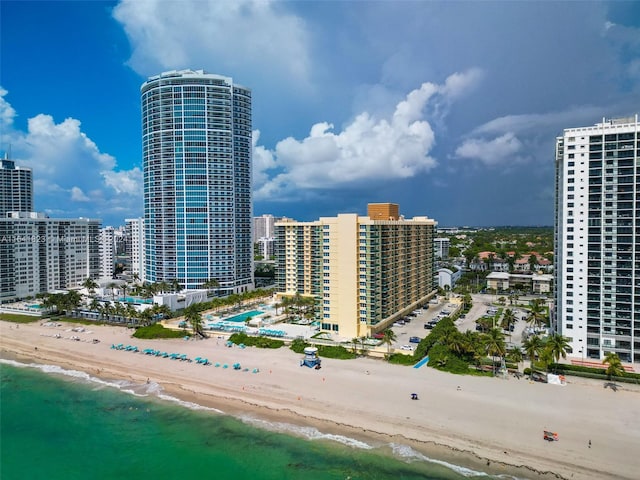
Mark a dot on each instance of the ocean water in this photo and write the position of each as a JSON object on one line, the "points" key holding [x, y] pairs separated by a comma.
{"points": [[61, 424]]}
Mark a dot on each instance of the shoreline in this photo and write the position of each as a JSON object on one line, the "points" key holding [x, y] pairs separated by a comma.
{"points": [[330, 401]]}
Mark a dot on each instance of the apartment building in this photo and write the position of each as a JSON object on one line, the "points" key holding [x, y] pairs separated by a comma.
{"points": [[196, 145], [40, 254], [363, 271], [597, 239]]}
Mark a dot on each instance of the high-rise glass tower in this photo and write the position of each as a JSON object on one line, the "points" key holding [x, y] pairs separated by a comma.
{"points": [[196, 144], [597, 239]]}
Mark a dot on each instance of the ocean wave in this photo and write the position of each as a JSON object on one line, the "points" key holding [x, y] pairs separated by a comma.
{"points": [[189, 405], [76, 374], [310, 433], [400, 451], [136, 389], [407, 453]]}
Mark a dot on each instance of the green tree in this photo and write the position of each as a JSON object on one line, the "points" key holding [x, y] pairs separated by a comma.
{"points": [[533, 347], [508, 319], [495, 345], [467, 302], [614, 365], [537, 313], [91, 285], [194, 317], [515, 355], [558, 346], [355, 341], [388, 339], [211, 284]]}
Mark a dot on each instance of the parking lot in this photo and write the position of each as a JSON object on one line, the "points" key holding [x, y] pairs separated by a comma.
{"points": [[415, 327], [481, 304]]}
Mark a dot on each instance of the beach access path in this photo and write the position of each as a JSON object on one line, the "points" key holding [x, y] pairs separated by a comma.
{"points": [[494, 422]]}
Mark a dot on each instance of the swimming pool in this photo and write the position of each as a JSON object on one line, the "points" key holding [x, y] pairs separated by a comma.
{"points": [[243, 316], [135, 300]]}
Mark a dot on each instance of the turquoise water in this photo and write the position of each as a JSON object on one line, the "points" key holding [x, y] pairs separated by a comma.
{"points": [[135, 300], [66, 425], [35, 305], [243, 316]]}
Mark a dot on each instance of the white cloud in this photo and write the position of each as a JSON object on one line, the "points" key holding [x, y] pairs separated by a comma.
{"points": [[77, 195], [7, 113], [72, 177], [228, 35], [500, 150], [368, 149], [554, 121]]}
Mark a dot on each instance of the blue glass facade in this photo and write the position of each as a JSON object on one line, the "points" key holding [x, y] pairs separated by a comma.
{"points": [[196, 133]]}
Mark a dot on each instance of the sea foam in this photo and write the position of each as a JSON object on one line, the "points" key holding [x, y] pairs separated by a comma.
{"points": [[310, 433], [400, 451]]}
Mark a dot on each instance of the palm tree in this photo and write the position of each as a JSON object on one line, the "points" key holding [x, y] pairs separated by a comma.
{"points": [[211, 284], [615, 368], [455, 342], [494, 343], [94, 305], [388, 339], [537, 312], [355, 341], [90, 284], [558, 346], [71, 301], [194, 317], [532, 347], [508, 319], [363, 342], [467, 302], [515, 354], [113, 286]]}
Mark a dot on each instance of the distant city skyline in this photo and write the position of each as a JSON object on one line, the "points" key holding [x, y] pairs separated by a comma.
{"points": [[448, 108]]}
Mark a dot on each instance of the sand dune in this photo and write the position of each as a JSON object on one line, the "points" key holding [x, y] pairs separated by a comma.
{"points": [[495, 425]]}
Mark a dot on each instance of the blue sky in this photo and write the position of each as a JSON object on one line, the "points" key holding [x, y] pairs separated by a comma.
{"points": [[450, 109]]}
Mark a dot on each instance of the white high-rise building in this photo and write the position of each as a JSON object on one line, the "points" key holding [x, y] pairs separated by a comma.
{"points": [[441, 246], [263, 227], [597, 239], [135, 246], [40, 254], [196, 145], [107, 252]]}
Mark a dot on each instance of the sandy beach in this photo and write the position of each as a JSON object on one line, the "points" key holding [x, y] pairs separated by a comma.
{"points": [[493, 424]]}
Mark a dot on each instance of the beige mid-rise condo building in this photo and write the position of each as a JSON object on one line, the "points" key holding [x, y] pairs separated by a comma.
{"points": [[363, 271]]}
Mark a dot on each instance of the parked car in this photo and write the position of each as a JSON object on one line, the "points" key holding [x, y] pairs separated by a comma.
{"points": [[378, 335], [428, 326], [462, 315], [414, 340], [406, 347]]}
